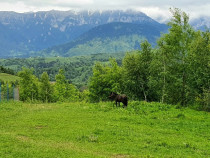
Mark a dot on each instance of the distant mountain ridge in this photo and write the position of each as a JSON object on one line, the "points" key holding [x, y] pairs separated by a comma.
{"points": [[109, 38], [21, 33]]}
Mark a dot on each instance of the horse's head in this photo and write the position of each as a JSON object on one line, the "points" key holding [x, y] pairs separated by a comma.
{"points": [[112, 95]]}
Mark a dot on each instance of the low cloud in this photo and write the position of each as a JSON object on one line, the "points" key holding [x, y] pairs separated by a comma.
{"points": [[158, 10]]}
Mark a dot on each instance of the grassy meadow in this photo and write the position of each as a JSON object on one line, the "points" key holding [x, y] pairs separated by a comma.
{"points": [[101, 130]]}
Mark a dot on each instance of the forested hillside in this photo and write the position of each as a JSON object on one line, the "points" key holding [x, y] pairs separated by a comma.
{"points": [[109, 38], [77, 69]]}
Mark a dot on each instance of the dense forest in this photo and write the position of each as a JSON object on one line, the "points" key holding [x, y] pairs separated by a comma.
{"points": [[177, 71]]}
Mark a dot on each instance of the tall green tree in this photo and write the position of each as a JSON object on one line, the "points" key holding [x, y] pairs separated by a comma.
{"points": [[45, 88], [137, 72], [145, 63], [106, 78], [28, 85], [199, 70], [72, 93], [131, 76], [174, 50], [63, 91], [60, 88]]}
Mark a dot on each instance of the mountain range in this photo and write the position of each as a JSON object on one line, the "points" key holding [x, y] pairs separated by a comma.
{"points": [[109, 38], [70, 33]]}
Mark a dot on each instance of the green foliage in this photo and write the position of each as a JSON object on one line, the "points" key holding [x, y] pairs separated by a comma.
{"points": [[28, 85], [63, 91], [99, 130], [199, 69], [176, 72], [32, 89], [174, 49], [106, 78], [77, 69], [60, 86], [46, 90], [136, 68]]}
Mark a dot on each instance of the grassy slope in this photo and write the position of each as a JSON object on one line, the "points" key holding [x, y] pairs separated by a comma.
{"points": [[8, 78], [108, 45], [99, 130]]}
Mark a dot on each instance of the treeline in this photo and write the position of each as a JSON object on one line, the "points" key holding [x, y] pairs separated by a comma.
{"points": [[177, 71], [35, 89]]}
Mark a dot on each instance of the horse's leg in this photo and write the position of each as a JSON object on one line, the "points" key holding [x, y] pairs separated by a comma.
{"points": [[116, 103]]}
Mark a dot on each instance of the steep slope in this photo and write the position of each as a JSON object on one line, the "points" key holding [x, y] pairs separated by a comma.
{"points": [[109, 38], [23, 33]]}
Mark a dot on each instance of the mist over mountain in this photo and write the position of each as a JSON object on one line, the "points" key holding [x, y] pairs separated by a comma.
{"points": [[201, 23]]}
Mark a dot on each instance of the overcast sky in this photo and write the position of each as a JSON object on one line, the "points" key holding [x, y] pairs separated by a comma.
{"points": [[153, 8]]}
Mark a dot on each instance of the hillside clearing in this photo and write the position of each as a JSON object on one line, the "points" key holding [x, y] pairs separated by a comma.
{"points": [[8, 78]]}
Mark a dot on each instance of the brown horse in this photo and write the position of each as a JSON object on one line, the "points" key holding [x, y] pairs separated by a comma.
{"points": [[119, 98]]}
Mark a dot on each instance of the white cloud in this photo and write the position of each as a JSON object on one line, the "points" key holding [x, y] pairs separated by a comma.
{"points": [[160, 14], [158, 10]]}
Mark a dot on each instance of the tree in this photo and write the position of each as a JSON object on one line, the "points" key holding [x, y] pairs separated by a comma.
{"points": [[174, 50], [63, 91], [136, 67], [28, 85], [60, 88], [199, 70], [106, 78], [146, 58], [72, 93], [131, 77], [45, 88]]}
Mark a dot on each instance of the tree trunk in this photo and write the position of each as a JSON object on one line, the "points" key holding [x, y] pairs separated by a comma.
{"points": [[164, 83], [183, 102], [145, 96]]}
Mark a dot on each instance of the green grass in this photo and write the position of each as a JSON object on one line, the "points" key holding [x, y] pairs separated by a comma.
{"points": [[101, 130], [8, 78]]}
